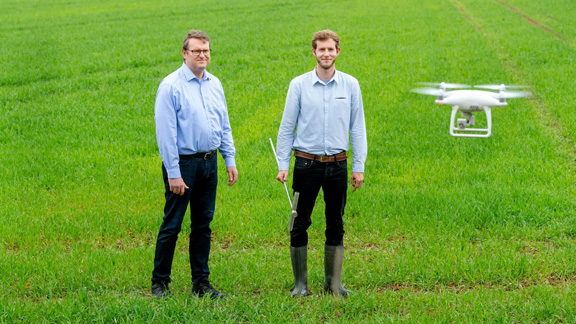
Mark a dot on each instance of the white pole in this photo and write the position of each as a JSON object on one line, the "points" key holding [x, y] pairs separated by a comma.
{"points": [[278, 163]]}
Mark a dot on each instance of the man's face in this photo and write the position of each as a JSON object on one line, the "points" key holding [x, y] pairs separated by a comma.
{"points": [[196, 63], [326, 53]]}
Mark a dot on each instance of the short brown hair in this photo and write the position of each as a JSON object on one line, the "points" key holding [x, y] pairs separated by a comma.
{"points": [[324, 35], [195, 34]]}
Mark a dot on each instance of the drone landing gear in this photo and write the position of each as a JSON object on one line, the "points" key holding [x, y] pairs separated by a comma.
{"points": [[462, 123]]}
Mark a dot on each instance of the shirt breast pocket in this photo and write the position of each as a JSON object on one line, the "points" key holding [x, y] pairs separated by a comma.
{"points": [[342, 102], [341, 112]]}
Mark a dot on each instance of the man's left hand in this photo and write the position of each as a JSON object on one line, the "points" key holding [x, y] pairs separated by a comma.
{"points": [[232, 175], [356, 180]]}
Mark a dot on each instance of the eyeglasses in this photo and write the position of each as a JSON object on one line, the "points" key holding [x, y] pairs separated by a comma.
{"points": [[206, 52]]}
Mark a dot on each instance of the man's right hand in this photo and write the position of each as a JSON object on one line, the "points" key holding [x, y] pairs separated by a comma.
{"points": [[282, 176], [177, 186]]}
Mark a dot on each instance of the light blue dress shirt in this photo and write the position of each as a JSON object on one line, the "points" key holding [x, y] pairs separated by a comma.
{"points": [[191, 116], [320, 115]]}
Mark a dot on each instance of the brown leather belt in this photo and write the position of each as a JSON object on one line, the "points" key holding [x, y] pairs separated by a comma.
{"points": [[322, 158]]}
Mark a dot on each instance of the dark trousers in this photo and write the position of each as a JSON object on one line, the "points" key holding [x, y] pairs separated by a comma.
{"points": [[201, 177], [309, 177]]}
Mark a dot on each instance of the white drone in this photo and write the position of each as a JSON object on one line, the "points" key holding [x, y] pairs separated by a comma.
{"points": [[469, 101]]}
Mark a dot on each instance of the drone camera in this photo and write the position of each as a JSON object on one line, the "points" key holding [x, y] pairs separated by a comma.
{"points": [[463, 122]]}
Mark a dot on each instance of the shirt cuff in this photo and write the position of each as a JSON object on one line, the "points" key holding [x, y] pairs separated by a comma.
{"points": [[358, 167], [283, 166], [174, 173], [230, 162]]}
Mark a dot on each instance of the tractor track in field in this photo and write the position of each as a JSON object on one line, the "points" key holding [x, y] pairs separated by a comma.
{"points": [[548, 120], [531, 20], [552, 281]]}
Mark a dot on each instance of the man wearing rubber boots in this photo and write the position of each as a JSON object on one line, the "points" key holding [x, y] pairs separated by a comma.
{"points": [[323, 109]]}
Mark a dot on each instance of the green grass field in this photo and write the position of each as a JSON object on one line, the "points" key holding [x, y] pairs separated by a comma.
{"points": [[448, 230]]}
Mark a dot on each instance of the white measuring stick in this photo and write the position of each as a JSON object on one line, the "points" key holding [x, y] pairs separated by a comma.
{"points": [[278, 163]]}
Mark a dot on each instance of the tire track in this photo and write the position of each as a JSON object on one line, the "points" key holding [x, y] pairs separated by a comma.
{"points": [[544, 114], [531, 21]]}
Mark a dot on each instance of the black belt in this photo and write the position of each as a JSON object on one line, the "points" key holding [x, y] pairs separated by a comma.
{"points": [[202, 155]]}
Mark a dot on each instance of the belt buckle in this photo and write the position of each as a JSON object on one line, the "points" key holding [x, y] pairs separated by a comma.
{"points": [[322, 158], [208, 155]]}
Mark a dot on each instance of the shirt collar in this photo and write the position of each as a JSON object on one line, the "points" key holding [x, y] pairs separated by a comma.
{"points": [[190, 75], [316, 79]]}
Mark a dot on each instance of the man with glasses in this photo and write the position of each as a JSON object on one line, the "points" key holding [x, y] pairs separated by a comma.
{"points": [[191, 126], [323, 109]]}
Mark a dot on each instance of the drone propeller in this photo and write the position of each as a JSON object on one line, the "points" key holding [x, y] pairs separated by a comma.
{"points": [[429, 91], [504, 90], [438, 92], [515, 94], [500, 86], [444, 85]]}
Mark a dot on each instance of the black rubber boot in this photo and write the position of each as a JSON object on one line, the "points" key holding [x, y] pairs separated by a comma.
{"points": [[299, 256], [333, 259]]}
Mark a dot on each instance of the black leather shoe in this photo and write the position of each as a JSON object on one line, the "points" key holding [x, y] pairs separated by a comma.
{"points": [[203, 288], [160, 289]]}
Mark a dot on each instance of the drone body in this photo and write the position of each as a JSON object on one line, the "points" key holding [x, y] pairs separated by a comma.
{"points": [[469, 101]]}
